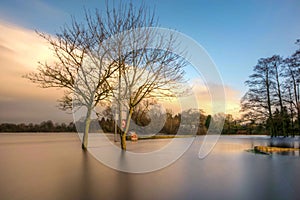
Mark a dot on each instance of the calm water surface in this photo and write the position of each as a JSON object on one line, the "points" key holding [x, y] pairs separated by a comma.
{"points": [[53, 166]]}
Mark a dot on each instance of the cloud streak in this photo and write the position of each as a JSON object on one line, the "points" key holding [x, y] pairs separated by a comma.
{"points": [[21, 100]]}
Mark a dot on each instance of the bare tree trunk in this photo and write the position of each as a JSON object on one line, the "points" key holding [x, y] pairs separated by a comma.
{"points": [[298, 109], [282, 124], [123, 143], [292, 112], [269, 106], [296, 94], [86, 129], [128, 120]]}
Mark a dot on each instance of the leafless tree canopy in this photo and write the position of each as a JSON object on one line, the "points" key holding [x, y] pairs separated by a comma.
{"points": [[111, 55], [273, 95]]}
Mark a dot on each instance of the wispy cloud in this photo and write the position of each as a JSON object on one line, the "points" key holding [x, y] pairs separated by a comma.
{"points": [[21, 100], [217, 96]]}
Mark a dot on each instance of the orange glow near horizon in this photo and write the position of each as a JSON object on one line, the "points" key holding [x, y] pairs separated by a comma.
{"points": [[204, 101]]}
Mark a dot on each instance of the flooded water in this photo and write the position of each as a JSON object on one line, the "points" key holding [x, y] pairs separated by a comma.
{"points": [[53, 166]]}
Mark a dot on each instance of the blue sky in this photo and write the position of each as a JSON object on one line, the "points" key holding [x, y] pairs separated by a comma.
{"points": [[234, 33]]}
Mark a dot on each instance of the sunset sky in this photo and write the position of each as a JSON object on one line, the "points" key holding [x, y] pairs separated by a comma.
{"points": [[234, 33]]}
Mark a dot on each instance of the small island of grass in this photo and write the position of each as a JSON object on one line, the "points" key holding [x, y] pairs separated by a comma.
{"points": [[268, 149]]}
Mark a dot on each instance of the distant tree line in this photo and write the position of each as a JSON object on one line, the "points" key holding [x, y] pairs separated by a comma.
{"points": [[147, 121], [272, 103], [196, 120], [170, 127], [45, 126]]}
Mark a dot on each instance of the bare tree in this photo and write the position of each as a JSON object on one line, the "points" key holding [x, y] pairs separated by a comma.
{"points": [[150, 73], [89, 55], [147, 66], [81, 69], [273, 95], [276, 68], [292, 76], [258, 100]]}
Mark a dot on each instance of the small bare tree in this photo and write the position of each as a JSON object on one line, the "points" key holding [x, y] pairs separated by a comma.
{"points": [[150, 73], [81, 68], [258, 100], [147, 66]]}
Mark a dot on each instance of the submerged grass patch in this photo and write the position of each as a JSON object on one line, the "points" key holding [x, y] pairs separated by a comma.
{"points": [[268, 150], [274, 149], [257, 152]]}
